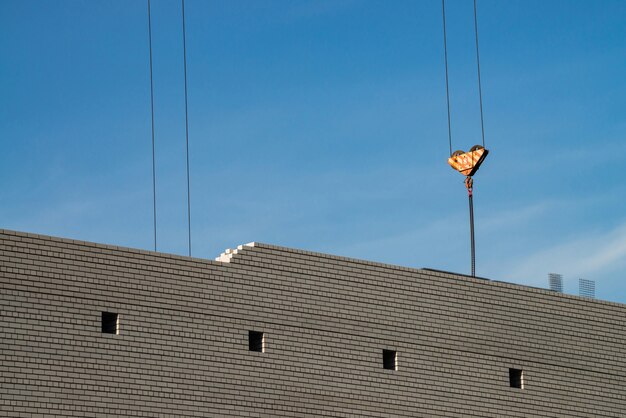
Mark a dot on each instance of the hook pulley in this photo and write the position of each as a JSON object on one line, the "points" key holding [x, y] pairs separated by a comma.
{"points": [[468, 163]]}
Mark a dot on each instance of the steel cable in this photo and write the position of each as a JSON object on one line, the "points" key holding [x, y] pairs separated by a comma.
{"points": [[480, 89], [152, 121], [472, 242], [186, 128], [445, 53]]}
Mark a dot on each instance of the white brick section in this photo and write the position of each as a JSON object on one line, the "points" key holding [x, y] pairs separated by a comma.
{"points": [[229, 252]]}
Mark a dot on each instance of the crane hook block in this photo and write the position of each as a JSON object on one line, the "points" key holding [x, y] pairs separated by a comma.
{"points": [[467, 163]]}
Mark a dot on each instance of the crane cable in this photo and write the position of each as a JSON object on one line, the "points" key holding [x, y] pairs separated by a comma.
{"points": [[480, 88], [154, 213], [445, 54], [186, 128], [469, 182]]}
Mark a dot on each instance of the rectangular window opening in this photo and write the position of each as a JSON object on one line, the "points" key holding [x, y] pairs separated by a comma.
{"points": [[256, 341], [516, 378], [390, 360], [110, 323]]}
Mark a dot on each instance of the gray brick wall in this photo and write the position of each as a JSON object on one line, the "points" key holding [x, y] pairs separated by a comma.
{"points": [[182, 347]]}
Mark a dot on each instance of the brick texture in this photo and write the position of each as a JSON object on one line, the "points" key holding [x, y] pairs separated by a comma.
{"points": [[182, 347]]}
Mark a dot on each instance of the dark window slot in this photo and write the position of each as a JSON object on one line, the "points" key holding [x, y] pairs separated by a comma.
{"points": [[390, 360], [516, 378], [109, 323], [256, 341]]}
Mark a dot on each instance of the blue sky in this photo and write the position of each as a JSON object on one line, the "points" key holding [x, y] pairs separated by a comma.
{"points": [[322, 125]]}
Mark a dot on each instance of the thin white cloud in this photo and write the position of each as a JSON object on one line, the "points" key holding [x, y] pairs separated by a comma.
{"points": [[590, 255], [517, 216]]}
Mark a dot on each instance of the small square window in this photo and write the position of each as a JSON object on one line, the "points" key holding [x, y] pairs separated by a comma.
{"points": [[110, 323], [516, 378], [256, 341], [390, 360]]}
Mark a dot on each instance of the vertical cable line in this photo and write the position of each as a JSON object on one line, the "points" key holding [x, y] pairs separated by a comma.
{"points": [[445, 54], [472, 240], [480, 89], [152, 116], [186, 129]]}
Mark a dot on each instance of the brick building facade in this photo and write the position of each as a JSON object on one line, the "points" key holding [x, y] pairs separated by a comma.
{"points": [[94, 330]]}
